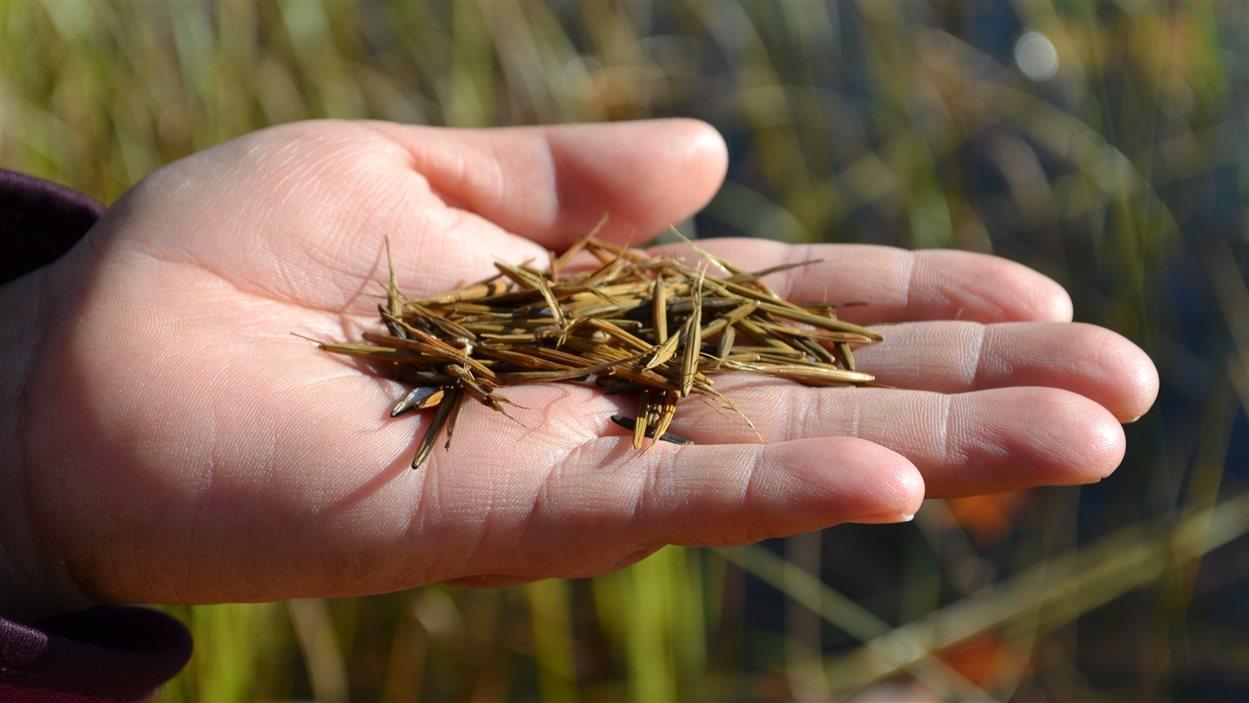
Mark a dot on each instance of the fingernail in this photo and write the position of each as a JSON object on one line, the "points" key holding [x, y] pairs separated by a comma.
{"points": [[884, 518], [1130, 420]]}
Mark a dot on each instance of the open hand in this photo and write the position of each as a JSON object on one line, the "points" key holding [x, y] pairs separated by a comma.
{"points": [[178, 444]]}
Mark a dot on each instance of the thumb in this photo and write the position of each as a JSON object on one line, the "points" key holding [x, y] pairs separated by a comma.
{"points": [[552, 184]]}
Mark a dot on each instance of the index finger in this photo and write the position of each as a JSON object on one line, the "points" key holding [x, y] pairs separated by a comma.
{"points": [[897, 285]]}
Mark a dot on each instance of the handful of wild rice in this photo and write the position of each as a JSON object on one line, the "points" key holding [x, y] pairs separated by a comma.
{"points": [[653, 326]]}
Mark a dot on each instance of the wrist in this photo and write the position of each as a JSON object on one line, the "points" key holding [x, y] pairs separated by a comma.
{"points": [[33, 581]]}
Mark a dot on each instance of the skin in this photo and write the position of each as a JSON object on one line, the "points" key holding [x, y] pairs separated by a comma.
{"points": [[173, 442]]}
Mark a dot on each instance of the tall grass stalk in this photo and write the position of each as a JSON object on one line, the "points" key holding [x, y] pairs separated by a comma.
{"points": [[1123, 177]]}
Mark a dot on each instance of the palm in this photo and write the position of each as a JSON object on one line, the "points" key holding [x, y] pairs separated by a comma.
{"points": [[187, 448]]}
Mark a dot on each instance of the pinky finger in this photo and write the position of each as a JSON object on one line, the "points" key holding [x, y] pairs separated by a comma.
{"points": [[732, 493]]}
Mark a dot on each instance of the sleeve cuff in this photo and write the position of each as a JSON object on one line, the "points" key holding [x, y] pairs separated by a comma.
{"points": [[39, 221], [109, 653]]}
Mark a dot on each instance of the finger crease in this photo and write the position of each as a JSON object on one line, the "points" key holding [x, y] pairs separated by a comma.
{"points": [[794, 254], [908, 280], [979, 344], [753, 471], [947, 419], [648, 492]]}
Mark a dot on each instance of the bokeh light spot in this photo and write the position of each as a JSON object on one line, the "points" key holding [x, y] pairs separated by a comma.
{"points": [[1036, 56]]}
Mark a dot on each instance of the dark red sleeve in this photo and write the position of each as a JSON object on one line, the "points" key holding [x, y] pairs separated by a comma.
{"points": [[39, 221], [110, 653]]}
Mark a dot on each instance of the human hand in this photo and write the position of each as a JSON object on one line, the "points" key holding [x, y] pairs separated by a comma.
{"points": [[176, 444]]}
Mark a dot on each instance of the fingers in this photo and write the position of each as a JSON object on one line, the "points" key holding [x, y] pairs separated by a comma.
{"points": [[561, 491], [525, 503], [900, 285], [552, 184], [953, 357], [723, 494], [982, 442]]}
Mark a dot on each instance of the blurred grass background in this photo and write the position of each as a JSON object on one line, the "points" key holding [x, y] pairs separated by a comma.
{"points": [[1103, 143]]}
